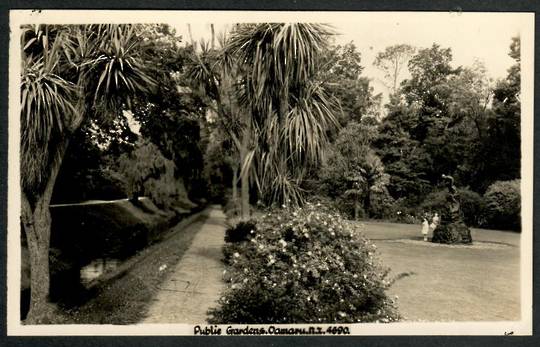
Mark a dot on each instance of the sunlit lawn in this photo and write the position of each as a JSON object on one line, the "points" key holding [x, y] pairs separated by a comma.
{"points": [[451, 283]]}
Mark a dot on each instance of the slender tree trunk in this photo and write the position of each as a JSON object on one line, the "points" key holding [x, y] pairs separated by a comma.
{"points": [[235, 188], [213, 36], [190, 36], [367, 202], [36, 221], [245, 198], [356, 208], [396, 69], [244, 174], [244, 179]]}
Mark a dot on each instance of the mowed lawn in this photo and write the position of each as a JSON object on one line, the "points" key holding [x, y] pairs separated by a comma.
{"points": [[451, 283]]}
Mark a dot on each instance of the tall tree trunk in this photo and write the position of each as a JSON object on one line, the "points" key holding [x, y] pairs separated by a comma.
{"points": [[244, 173], [245, 198], [190, 36], [367, 203], [36, 221], [213, 36], [235, 188], [244, 179]]}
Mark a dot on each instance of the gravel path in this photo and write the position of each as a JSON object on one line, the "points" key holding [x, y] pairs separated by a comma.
{"points": [[194, 285]]}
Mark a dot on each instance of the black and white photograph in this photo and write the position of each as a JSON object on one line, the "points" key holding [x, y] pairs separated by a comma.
{"points": [[270, 173]]}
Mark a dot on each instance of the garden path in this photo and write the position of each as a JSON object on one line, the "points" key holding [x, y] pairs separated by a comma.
{"points": [[195, 283]]}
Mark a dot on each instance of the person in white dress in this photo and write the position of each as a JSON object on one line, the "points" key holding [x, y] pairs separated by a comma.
{"points": [[434, 222], [425, 228]]}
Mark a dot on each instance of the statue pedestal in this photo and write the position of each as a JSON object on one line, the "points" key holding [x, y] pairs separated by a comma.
{"points": [[456, 232], [452, 228]]}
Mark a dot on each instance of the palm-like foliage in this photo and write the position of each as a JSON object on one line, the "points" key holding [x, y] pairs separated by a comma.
{"points": [[291, 111], [281, 58], [47, 100], [69, 71]]}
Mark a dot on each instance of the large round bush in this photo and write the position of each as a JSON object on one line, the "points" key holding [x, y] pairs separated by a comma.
{"points": [[473, 207], [305, 265], [503, 205]]}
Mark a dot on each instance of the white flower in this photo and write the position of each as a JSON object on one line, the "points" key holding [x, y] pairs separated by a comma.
{"points": [[236, 255], [162, 267]]}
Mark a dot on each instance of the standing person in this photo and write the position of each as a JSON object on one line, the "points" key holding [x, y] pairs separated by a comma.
{"points": [[425, 227], [434, 222]]}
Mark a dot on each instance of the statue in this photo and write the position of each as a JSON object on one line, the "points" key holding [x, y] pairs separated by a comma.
{"points": [[452, 228]]}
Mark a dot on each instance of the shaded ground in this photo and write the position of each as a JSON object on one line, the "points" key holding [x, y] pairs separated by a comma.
{"points": [[195, 283], [124, 297], [451, 283]]}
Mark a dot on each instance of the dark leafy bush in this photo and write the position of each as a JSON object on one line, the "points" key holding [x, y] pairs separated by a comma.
{"points": [[503, 205], [381, 204], [235, 235], [242, 231], [305, 265], [473, 206], [346, 205], [434, 202], [402, 213]]}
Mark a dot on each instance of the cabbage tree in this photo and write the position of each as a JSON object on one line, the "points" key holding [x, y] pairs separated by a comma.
{"points": [[289, 108], [69, 73]]}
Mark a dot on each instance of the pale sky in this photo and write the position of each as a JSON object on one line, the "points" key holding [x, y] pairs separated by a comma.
{"points": [[482, 36], [485, 36]]}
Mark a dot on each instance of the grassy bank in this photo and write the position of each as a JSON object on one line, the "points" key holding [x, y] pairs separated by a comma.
{"points": [[85, 232], [124, 297]]}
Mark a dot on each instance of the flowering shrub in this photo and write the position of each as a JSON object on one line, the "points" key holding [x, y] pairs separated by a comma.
{"points": [[304, 265]]}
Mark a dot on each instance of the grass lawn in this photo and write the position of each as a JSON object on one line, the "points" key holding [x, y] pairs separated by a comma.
{"points": [[451, 283]]}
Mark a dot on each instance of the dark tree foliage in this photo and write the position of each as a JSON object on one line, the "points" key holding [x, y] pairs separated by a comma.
{"points": [[85, 170], [499, 155], [342, 73], [171, 116], [441, 121]]}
